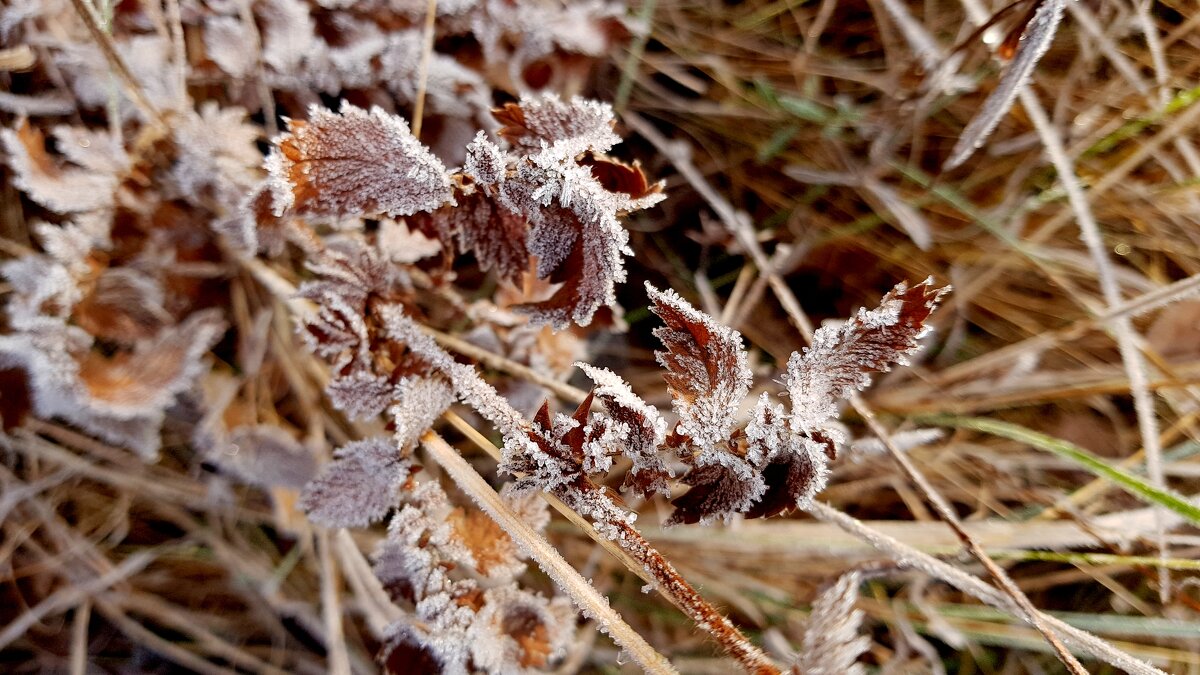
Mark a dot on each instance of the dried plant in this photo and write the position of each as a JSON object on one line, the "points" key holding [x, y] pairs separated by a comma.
{"points": [[276, 249]]}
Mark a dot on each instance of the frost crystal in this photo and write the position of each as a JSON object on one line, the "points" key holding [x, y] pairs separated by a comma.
{"points": [[354, 163]]}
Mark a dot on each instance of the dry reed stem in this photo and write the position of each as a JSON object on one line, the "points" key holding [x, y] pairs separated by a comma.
{"points": [[585, 596]]}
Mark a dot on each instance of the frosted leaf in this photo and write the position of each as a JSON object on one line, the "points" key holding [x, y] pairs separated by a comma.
{"points": [[496, 235], [420, 401], [288, 36], [537, 122], [123, 305], [832, 644], [349, 272], [563, 197], [265, 455], [253, 226], [41, 177], [361, 394], [149, 60], [354, 163], [91, 149], [575, 232], [359, 486], [723, 486], [71, 243], [451, 88], [645, 430], [399, 243], [518, 632], [1034, 43], [794, 467], [148, 378], [707, 372], [217, 153], [492, 552], [545, 43], [840, 359], [120, 398], [41, 290], [227, 42], [409, 561]]}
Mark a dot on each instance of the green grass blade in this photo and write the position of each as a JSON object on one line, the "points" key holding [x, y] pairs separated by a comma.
{"points": [[1131, 483]]}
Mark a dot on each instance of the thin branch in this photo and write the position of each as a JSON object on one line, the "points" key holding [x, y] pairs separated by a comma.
{"points": [[104, 41], [426, 57], [548, 558]]}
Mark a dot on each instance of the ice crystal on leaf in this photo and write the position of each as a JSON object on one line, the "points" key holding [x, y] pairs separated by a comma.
{"points": [[352, 163], [643, 430], [706, 368], [359, 486], [840, 360], [832, 644], [419, 402]]}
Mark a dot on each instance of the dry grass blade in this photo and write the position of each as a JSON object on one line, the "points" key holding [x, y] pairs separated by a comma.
{"points": [[1035, 41]]}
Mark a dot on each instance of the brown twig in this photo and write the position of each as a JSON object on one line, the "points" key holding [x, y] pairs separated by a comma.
{"points": [[105, 42]]}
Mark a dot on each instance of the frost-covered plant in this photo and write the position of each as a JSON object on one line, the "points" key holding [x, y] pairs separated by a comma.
{"points": [[159, 227]]}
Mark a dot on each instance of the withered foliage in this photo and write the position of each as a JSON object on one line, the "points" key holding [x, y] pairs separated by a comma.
{"points": [[171, 258]]}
